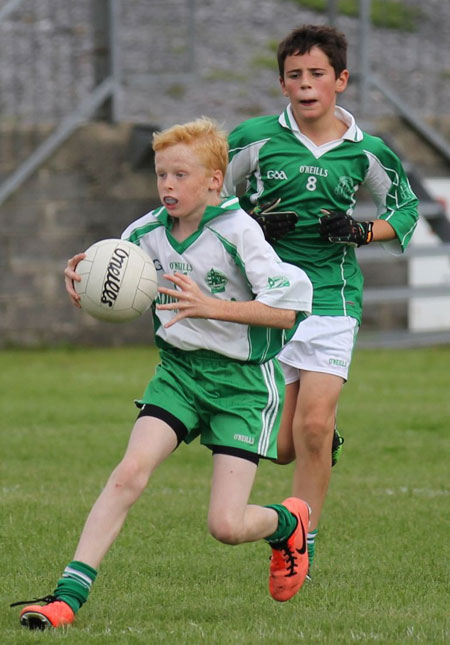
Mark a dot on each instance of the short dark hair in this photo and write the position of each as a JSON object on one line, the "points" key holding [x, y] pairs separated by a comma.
{"points": [[302, 39]]}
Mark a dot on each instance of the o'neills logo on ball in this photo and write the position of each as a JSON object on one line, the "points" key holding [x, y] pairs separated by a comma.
{"points": [[114, 275]]}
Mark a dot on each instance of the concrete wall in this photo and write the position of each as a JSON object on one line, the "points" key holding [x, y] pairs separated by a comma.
{"points": [[86, 192]]}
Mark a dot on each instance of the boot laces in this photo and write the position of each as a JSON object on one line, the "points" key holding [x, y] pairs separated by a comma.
{"points": [[45, 599], [290, 558]]}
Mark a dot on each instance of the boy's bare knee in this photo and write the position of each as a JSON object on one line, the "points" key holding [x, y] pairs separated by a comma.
{"points": [[129, 478], [225, 530], [316, 437]]}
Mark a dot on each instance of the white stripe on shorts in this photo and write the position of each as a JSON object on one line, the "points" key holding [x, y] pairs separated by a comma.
{"points": [[270, 412]]}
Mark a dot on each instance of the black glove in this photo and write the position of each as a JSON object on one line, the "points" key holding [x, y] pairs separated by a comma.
{"points": [[337, 227], [274, 223]]}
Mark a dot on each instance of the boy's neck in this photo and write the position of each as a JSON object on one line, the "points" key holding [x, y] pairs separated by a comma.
{"points": [[324, 130], [184, 227]]}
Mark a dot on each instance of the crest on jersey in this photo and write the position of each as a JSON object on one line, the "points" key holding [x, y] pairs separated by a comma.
{"points": [[345, 187], [278, 281], [216, 281]]}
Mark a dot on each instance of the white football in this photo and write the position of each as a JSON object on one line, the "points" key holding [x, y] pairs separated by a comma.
{"points": [[118, 281]]}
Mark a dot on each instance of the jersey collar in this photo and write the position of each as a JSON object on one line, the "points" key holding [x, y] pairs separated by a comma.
{"points": [[230, 203], [211, 212], [353, 133]]}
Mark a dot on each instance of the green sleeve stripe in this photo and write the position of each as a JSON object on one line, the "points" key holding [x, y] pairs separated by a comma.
{"points": [[136, 235]]}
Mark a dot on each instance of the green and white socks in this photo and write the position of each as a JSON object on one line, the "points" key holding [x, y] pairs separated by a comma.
{"points": [[311, 544], [74, 586], [287, 523], [77, 578]]}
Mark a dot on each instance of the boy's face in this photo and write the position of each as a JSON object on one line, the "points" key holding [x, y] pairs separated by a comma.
{"points": [[310, 83], [185, 186]]}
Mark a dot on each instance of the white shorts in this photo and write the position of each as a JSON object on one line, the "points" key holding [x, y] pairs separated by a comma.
{"points": [[320, 344]]}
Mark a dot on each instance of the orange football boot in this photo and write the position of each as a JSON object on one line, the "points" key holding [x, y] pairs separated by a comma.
{"points": [[55, 613], [289, 561]]}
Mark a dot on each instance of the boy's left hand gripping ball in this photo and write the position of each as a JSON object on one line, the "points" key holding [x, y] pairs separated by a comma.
{"points": [[118, 281]]}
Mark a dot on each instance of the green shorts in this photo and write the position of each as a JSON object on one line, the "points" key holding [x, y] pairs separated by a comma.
{"points": [[228, 403]]}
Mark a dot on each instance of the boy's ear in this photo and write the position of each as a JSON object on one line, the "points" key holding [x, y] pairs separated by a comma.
{"points": [[216, 180], [342, 81], [283, 86]]}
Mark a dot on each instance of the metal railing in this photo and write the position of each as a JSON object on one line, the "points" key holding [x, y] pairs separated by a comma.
{"points": [[392, 295], [375, 295], [88, 89]]}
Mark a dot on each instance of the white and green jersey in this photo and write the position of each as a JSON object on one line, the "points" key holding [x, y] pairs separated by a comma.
{"points": [[277, 161], [229, 259]]}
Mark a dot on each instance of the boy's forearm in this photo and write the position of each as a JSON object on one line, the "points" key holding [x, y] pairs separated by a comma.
{"points": [[382, 231], [188, 301], [251, 313]]}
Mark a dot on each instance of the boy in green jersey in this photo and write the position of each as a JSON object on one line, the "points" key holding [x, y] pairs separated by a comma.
{"points": [[308, 164], [220, 320]]}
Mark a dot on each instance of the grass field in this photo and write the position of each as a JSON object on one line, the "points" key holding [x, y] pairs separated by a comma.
{"points": [[382, 567]]}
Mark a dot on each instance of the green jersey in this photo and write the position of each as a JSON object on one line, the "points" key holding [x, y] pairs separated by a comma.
{"points": [[276, 160], [229, 259]]}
